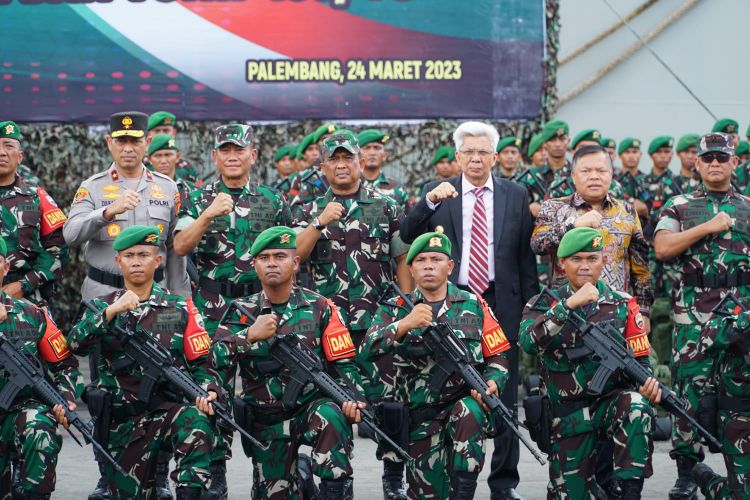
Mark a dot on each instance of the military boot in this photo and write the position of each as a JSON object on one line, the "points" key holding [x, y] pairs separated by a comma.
{"points": [[684, 488], [608, 491], [393, 480], [101, 492], [333, 489], [463, 485], [218, 489], [36, 496], [631, 489], [188, 493], [305, 477], [702, 475], [161, 489]]}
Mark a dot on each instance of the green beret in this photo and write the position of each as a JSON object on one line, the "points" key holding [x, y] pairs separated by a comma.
{"points": [[589, 134], [451, 153], [534, 144], [686, 141], [580, 239], [326, 128], [662, 141], [161, 141], [9, 130], [342, 138], [608, 143], [743, 148], [429, 242], [627, 143], [285, 150], [726, 125], [306, 142], [136, 235], [508, 141], [441, 153], [3, 248], [554, 128], [274, 237], [161, 118], [372, 135]]}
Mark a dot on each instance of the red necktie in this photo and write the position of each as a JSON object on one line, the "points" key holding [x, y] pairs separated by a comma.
{"points": [[479, 252]]}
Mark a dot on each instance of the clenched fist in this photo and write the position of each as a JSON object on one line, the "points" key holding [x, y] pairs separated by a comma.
{"points": [[587, 294], [589, 219], [127, 302], [331, 213], [127, 201], [719, 223], [222, 205], [263, 328], [442, 192], [419, 317]]}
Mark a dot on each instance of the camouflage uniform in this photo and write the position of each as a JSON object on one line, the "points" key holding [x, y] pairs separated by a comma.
{"points": [[547, 174], [580, 420], [25, 173], [187, 171], [448, 428], [313, 420], [711, 267], [184, 187], [724, 339], [28, 429], [387, 187], [741, 177], [626, 268], [31, 226], [306, 186], [140, 430], [284, 186], [632, 187], [351, 265], [223, 254]]}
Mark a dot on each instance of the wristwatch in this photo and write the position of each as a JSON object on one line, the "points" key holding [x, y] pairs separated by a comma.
{"points": [[317, 225]]}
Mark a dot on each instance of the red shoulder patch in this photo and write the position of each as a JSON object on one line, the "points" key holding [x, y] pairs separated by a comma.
{"points": [[52, 217], [53, 347], [494, 340], [635, 332], [195, 342], [337, 341]]}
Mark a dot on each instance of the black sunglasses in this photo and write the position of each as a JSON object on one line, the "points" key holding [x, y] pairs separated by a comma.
{"points": [[715, 155]]}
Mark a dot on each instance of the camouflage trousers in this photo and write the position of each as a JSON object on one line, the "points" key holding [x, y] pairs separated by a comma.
{"points": [[690, 373], [626, 419], [441, 447], [135, 443], [28, 432], [735, 440], [322, 426], [378, 377], [221, 449]]}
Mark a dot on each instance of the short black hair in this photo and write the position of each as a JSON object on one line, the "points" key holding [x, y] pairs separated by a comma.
{"points": [[589, 150]]}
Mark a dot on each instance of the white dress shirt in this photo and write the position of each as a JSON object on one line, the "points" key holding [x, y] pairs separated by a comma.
{"points": [[468, 200]]}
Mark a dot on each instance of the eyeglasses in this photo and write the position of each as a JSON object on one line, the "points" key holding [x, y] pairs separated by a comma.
{"points": [[483, 153], [715, 155]]}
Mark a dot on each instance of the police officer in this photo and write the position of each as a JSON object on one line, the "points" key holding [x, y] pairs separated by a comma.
{"points": [[31, 225], [580, 421], [283, 308], [447, 427], [124, 195], [164, 122], [351, 236], [707, 232], [373, 156], [508, 157], [138, 429], [28, 428]]}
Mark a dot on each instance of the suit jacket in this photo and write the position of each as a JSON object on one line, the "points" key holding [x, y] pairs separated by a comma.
{"points": [[515, 265]]}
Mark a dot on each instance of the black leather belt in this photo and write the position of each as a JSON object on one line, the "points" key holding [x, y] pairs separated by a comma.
{"points": [[234, 290], [724, 280], [729, 403], [115, 280]]}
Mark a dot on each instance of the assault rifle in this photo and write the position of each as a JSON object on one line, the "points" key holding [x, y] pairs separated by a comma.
{"points": [[452, 357], [305, 367], [145, 350], [604, 343], [22, 373], [536, 183]]}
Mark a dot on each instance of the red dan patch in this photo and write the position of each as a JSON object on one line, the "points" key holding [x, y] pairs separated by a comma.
{"points": [[53, 347], [494, 340], [337, 342]]}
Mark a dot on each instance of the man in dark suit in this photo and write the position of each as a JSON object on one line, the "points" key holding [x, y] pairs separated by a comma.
{"points": [[489, 224]]}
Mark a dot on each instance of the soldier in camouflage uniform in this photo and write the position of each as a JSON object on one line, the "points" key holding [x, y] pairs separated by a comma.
{"points": [[139, 429], [164, 122], [742, 172], [508, 158], [283, 308], [629, 175], [25, 173], [310, 183], [31, 225], [708, 231], [285, 167], [351, 236], [610, 146], [579, 420], [447, 426], [536, 152], [730, 127], [372, 146], [164, 155], [723, 340], [28, 428], [686, 149]]}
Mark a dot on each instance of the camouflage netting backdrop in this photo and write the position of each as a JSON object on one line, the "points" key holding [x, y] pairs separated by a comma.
{"points": [[63, 155]]}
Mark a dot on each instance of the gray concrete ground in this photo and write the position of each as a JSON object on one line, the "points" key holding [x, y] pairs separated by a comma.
{"points": [[77, 473]]}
